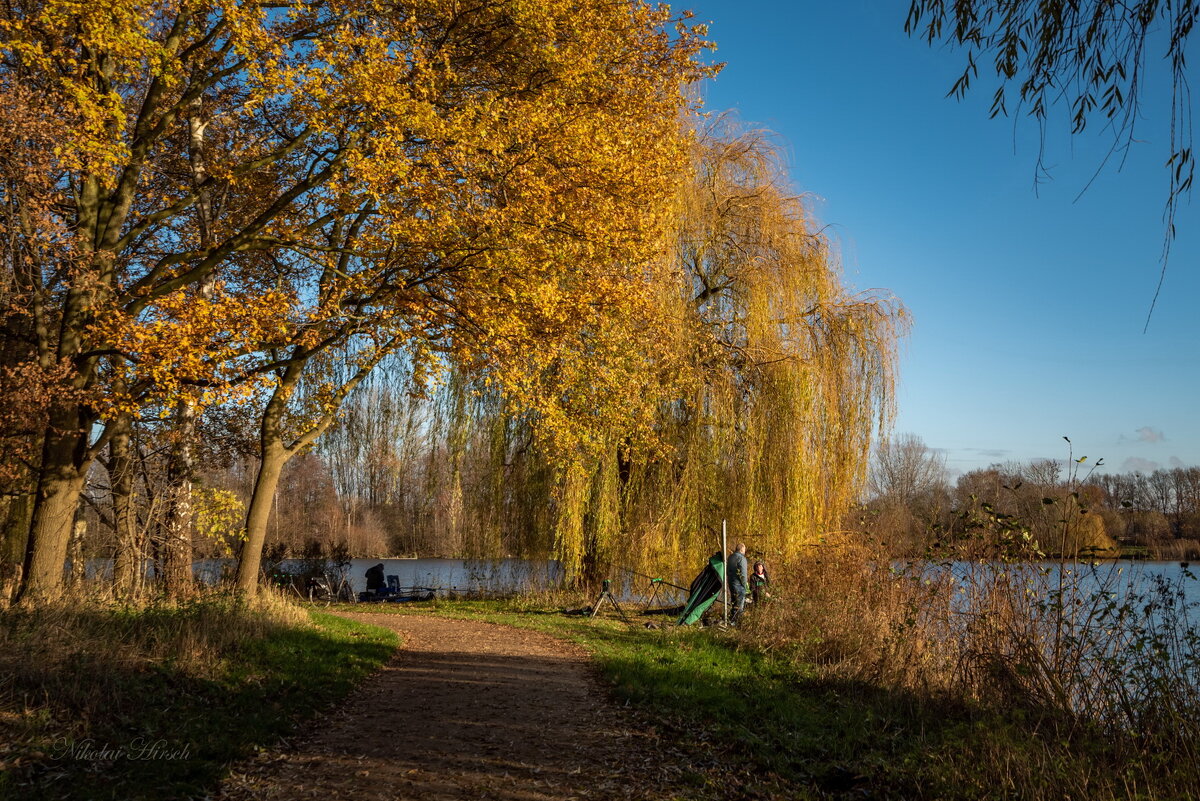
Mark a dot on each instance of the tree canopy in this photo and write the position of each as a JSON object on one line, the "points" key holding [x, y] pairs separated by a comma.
{"points": [[221, 215], [207, 194]]}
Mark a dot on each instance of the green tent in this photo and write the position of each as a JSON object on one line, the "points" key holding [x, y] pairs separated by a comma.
{"points": [[704, 590]]}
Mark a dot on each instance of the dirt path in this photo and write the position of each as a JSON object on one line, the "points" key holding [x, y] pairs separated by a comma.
{"points": [[471, 710]]}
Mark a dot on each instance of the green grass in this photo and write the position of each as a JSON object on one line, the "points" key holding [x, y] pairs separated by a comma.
{"points": [[784, 731], [101, 725]]}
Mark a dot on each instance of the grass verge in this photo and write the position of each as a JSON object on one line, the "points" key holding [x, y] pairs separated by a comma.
{"points": [[105, 702], [790, 730]]}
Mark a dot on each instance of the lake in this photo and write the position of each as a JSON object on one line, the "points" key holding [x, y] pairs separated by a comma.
{"points": [[477, 576], [1119, 576], [506, 576]]}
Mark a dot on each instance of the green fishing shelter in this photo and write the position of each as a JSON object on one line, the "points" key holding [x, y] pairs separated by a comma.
{"points": [[704, 590]]}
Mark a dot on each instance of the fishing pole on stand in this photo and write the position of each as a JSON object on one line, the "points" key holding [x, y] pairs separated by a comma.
{"points": [[656, 585]]}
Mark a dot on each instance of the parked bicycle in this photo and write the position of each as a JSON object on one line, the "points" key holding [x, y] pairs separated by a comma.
{"points": [[330, 588]]}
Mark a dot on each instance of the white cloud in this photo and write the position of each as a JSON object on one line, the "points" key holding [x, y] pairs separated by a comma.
{"points": [[1136, 464], [1148, 434], [993, 453]]}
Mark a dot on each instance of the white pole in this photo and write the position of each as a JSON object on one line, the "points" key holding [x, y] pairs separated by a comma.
{"points": [[725, 571]]}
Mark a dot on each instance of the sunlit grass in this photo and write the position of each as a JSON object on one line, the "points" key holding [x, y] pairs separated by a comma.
{"points": [[108, 702]]}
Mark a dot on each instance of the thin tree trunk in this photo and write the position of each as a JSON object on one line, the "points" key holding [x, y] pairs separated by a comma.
{"points": [[177, 531], [15, 539], [177, 528], [276, 450], [259, 514], [75, 554], [128, 560]]}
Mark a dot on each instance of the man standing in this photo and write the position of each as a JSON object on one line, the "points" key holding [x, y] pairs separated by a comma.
{"points": [[738, 577]]}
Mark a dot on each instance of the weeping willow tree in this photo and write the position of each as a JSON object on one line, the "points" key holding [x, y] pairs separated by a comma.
{"points": [[748, 387], [786, 375]]}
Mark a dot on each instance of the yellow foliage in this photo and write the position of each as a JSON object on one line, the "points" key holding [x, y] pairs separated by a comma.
{"points": [[218, 516], [1082, 535], [739, 380], [787, 375], [483, 180]]}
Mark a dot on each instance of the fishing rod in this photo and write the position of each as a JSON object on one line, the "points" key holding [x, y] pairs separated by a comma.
{"points": [[653, 579]]}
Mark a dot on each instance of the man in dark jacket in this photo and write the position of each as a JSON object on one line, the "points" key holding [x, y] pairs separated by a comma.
{"points": [[375, 578], [739, 577]]}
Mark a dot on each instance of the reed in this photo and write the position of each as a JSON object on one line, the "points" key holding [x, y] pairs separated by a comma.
{"points": [[1092, 678]]}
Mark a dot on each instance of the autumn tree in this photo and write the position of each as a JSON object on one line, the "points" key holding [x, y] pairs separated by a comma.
{"points": [[1154, 508], [27, 380], [789, 374], [512, 218], [247, 187], [750, 389], [1032, 510], [114, 259]]}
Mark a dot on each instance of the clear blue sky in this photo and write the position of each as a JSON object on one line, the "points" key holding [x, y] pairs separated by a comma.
{"points": [[1027, 304]]}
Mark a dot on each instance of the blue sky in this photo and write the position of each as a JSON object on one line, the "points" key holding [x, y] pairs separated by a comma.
{"points": [[1027, 304]]}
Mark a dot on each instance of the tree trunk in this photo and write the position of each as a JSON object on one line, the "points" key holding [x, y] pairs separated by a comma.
{"points": [[177, 529], [75, 555], [64, 468], [65, 453], [15, 539], [274, 457], [129, 561], [276, 450]]}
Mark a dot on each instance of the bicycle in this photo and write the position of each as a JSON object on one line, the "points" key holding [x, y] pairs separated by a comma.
{"points": [[331, 589]]}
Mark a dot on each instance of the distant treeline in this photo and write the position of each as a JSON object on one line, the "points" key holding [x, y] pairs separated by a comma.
{"points": [[1065, 507]]}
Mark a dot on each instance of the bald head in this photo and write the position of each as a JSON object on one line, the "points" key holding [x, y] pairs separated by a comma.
{"points": [[741, 547]]}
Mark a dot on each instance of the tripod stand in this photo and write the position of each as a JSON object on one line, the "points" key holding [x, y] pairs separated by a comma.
{"points": [[606, 595]]}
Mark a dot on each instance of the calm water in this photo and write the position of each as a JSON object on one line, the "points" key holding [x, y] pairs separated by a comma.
{"points": [[461, 575], [501, 576], [482, 576], [515, 575], [1119, 580], [486, 577]]}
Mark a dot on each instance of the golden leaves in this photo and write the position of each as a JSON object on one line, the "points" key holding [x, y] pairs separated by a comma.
{"points": [[738, 378], [217, 517], [83, 52], [186, 339]]}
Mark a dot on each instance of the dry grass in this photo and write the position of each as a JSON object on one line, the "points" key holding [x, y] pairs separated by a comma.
{"points": [[1174, 549], [191, 634], [845, 612], [86, 687], [66, 666], [1102, 673]]}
